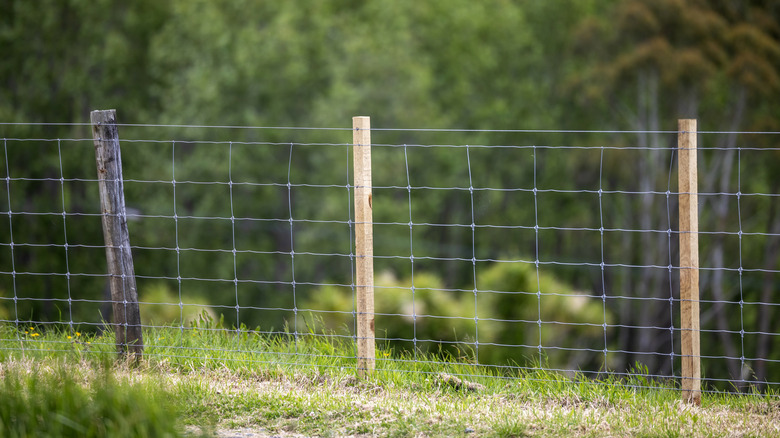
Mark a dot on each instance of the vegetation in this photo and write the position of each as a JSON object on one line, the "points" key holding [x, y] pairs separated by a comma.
{"points": [[634, 65], [54, 398], [217, 380]]}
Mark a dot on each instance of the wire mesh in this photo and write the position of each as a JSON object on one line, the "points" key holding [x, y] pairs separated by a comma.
{"points": [[503, 257]]}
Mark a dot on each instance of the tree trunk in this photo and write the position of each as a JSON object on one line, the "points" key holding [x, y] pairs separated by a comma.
{"points": [[650, 219], [723, 166]]}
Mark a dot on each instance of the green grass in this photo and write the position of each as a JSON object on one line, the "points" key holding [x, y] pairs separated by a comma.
{"points": [[215, 380], [49, 398]]}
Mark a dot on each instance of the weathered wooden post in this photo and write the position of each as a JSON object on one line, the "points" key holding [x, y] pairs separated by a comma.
{"points": [[124, 295], [364, 245], [689, 261]]}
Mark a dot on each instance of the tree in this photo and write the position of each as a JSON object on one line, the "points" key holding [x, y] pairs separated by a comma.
{"points": [[61, 60], [684, 59]]}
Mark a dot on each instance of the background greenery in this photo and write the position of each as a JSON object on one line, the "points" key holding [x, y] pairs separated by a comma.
{"points": [[633, 65]]}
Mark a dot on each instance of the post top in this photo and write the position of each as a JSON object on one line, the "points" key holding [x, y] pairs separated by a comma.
{"points": [[361, 123]]}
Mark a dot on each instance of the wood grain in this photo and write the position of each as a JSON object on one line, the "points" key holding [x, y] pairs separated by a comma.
{"points": [[124, 294], [364, 245], [689, 261]]}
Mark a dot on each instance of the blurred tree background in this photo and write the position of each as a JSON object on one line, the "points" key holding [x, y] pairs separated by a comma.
{"points": [[631, 65]]}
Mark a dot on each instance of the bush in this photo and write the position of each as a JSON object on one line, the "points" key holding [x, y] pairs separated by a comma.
{"points": [[508, 308]]}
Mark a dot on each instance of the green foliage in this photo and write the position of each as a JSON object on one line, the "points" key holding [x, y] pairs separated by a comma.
{"points": [[64, 59], [558, 316], [70, 57], [422, 315], [52, 403], [324, 63], [445, 315], [161, 307]]}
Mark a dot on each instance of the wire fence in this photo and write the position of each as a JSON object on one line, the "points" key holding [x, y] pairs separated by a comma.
{"points": [[557, 250]]}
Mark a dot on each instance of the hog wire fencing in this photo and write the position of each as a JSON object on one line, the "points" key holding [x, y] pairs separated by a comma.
{"points": [[591, 252]]}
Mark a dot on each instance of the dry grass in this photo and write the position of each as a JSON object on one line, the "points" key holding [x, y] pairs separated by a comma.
{"points": [[321, 405]]}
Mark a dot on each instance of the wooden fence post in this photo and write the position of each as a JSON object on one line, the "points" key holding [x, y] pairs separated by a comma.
{"points": [[124, 295], [364, 244], [689, 261]]}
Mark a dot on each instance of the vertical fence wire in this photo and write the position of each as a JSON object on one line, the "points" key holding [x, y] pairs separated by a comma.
{"points": [[411, 255], [292, 247], [473, 257], [352, 249], [670, 269], [233, 235], [742, 367], [11, 243], [536, 262], [176, 236], [601, 264], [65, 234]]}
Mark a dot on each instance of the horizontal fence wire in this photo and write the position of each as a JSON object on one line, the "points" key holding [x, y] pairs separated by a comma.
{"points": [[457, 130], [507, 258]]}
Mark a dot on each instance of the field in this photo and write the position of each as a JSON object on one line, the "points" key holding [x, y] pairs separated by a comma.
{"points": [[209, 382]]}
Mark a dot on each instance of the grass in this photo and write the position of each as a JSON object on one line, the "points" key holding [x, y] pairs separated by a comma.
{"points": [[49, 399], [214, 380]]}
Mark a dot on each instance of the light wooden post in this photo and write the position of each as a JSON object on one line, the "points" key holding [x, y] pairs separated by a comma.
{"points": [[124, 295], [689, 261], [364, 244]]}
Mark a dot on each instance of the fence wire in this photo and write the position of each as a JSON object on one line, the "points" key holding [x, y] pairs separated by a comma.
{"points": [[562, 258]]}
